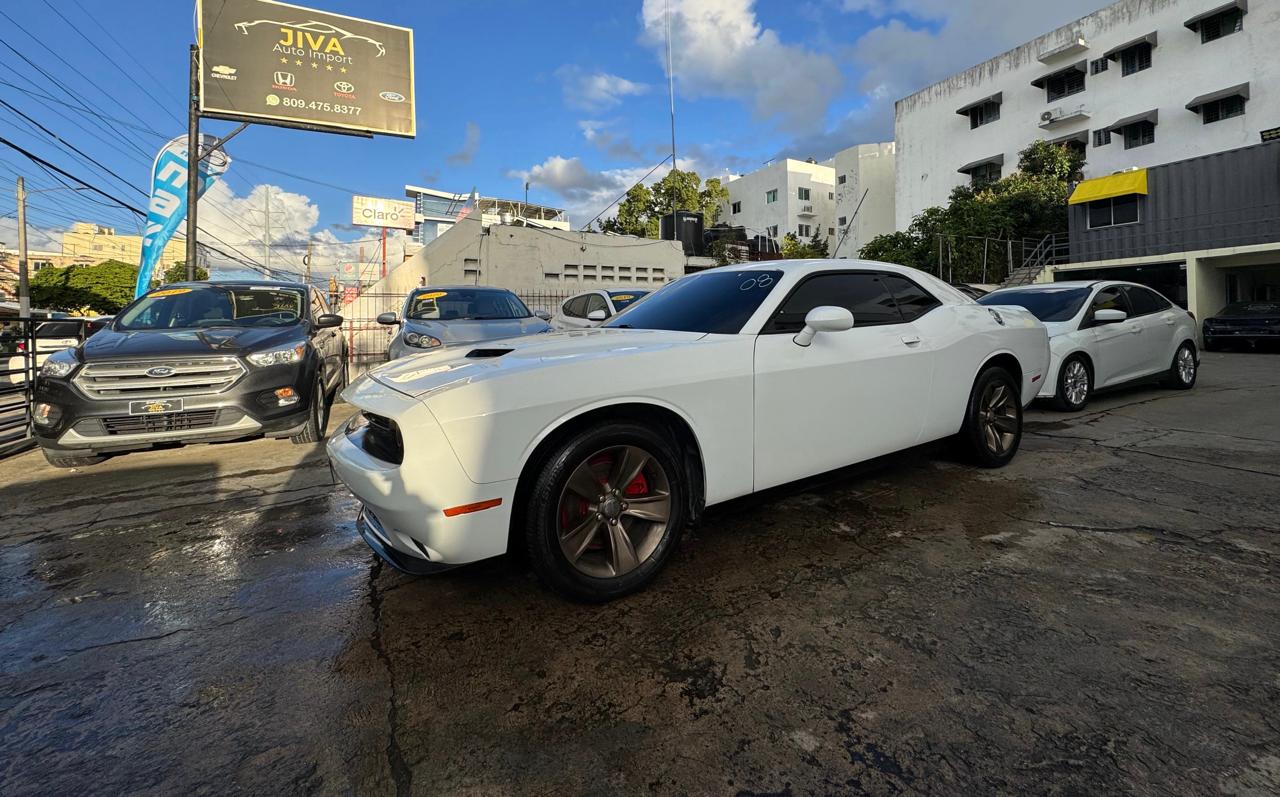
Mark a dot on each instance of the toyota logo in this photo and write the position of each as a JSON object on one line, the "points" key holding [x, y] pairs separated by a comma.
{"points": [[160, 371], [343, 87]]}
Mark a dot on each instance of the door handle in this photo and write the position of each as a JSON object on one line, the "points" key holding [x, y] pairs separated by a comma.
{"points": [[1135, 329], [1168, 322], [911, 340]]}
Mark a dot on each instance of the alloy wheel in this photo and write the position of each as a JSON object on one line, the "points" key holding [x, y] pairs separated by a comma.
{"points": [[998, 417], [1076, 383], [1186, 363], [613, 511]]}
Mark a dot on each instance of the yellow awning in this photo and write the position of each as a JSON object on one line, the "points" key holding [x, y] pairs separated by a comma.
{"points": [[1113, 185]]}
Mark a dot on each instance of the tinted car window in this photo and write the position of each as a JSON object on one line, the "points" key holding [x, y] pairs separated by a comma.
{"points": [[464, 304], [913, 301], [1251, 309], [576, 307], [58, 329], [621, 299], [596, 302], [864, 294], [1144, 301], [718, 301], [1046, 304], [213, 306], [1108, 299]]}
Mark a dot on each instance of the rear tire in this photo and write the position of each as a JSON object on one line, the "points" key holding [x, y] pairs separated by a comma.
{"points": [[317, 416], [1075, 384], [71, 460], [1184, 369], [591, 540], [992, 428]]}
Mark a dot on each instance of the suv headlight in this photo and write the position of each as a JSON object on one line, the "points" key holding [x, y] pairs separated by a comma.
{"points": [[58, 365], [421, 340], [284, 356]]}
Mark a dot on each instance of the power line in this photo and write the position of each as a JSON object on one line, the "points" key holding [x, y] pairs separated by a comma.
{"points": [[587, 226]]}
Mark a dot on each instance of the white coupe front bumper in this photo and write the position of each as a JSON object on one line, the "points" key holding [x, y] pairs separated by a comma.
{"points": [[405, 503]]}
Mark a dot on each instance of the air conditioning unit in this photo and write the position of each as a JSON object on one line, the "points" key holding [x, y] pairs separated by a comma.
{"points": [[1053, 114]]}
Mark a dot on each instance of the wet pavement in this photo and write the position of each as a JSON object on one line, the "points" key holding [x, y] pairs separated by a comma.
{"points": [[1099, 617]]}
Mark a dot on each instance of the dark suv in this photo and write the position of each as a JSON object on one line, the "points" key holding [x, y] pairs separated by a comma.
{"points": [[194, 362]]}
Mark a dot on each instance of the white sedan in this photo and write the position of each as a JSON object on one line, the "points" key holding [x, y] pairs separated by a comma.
{"points": [[593, 449], [1105, 334], [593, 308]]}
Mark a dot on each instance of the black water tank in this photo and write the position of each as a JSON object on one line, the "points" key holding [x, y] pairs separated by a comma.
{"points": [[685, 227]]}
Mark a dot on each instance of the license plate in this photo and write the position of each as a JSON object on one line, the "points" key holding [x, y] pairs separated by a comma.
{"points": [[155, 406]]}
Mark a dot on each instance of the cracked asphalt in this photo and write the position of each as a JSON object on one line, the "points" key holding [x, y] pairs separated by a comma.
{"points": [[1099, 617]]}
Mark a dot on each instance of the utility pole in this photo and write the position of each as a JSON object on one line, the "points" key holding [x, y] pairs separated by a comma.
{"points": [[384, 252], [266, 246], [307, 261], [193, 160], [24, 286], [671, 92]]}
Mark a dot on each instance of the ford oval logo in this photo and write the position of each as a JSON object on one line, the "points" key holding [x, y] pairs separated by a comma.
{"points": [[392, 96], [160, 371]]}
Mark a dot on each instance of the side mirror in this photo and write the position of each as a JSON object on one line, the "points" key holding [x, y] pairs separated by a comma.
{"points": [[389, 319], [823, 319], [328, 320], [1109, 316], [597, 315], [543, 314]]}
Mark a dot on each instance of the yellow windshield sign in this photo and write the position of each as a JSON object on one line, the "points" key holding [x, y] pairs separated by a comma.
{"points": [[1111, 186], [434, 295], [170, 292], [623, 297]]}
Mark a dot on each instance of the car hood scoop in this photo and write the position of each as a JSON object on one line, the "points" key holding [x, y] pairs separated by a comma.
{"points": [[487, 354]]}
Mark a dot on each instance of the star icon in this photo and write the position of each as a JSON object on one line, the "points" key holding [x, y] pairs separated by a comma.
{"points": [[344, 70], [284, 60], [314, 65], [328, 67], [297, 63]]}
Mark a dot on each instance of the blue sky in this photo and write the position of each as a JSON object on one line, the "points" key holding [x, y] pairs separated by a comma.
{"points": [[570, 93]]}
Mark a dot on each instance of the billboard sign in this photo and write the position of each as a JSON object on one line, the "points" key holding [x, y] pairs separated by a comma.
{"points": [[371, 211], [276, 63]]}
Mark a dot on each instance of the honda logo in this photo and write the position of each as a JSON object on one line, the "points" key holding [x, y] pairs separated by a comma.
{"points": [[284, 78]]}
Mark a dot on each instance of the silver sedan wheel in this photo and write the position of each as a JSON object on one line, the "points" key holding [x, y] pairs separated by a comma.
{"points": [[1186, 363], [998, 415], [614, 511], [1075, 383]]}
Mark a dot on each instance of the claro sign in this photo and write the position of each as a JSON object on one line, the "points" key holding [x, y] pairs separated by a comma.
{"points": [[372, 211], [264, 61]]}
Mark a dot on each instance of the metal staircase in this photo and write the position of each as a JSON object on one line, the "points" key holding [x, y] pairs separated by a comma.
{"points": [[1052, 250]]}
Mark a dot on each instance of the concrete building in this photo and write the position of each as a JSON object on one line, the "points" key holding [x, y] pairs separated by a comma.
{"points": [[437, 211], [785, 196], [865, 169], [98, 243], [1138, 83], [1203, 231]]}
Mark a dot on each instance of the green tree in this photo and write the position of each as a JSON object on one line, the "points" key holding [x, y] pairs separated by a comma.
{"points": [[641, 209], [178, 273], [817, 245], [104, 288]]}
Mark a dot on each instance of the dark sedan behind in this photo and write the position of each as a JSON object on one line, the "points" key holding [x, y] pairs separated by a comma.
{"points": [[1248, 323]]}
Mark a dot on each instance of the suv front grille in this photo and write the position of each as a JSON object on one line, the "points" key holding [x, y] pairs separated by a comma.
{"points": [[164, 422], [128, 380]]}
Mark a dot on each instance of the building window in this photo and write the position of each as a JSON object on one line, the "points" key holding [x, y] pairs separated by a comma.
{"points": [[984, 173], [1113, 212], [1136, 58], [831, 231], [831, 195], [1139, 134], [1101, 138], [1224, 108], [842, 221], [1099, 65], [771, 196], [985, 113], [1064, 84], [802, 194], [840, 180], [771, 231], [736, 207], [551, 276], [1219, 25], [804, 230]]}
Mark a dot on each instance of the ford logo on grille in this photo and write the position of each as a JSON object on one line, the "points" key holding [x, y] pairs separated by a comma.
{"points": [[160, 371]]}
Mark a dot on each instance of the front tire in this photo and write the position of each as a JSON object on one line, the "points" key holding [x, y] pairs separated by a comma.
{"points": [[1184, 369], [606, 511], [1075, 385], [317, 416], [992, 428], [70, 460]]}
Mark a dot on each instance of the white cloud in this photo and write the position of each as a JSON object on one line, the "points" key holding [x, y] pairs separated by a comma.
{"points": [[470, 145], [618, 146], [594, 91], [720, 49]]}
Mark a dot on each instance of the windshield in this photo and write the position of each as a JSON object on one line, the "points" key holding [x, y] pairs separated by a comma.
{"points": [[1046, 304], [1239, 309], [716, 301], [623, 299], [464, 304], [213, 306]]}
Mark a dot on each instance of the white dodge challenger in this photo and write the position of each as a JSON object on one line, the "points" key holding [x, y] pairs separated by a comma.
{"points": [[592, 449]]}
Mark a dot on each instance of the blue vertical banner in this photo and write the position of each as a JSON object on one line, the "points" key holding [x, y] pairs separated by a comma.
{"points": [[168, 206]]}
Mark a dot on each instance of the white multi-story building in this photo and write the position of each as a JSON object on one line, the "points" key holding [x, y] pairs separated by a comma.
{"points": [[786, 196], [864, 196], [1136, 84], [435, 211]]}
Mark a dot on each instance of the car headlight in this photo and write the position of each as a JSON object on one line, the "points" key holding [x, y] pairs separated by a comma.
{"points": [[58, 365], [284, 356], [421, 340]]}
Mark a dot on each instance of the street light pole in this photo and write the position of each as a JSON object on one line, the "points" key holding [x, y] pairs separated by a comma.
{"points": [[193, 160], [24, 286]]}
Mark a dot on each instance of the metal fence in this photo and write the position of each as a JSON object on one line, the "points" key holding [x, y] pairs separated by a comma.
{"points": [[25, 343]]}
